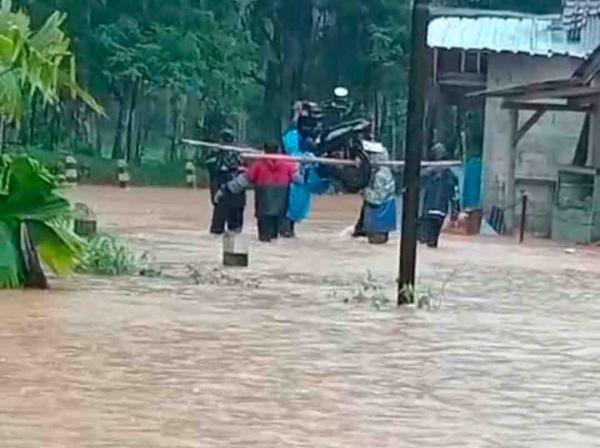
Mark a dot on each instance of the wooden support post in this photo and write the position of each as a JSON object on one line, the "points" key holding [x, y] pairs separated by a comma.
{"points": [[528, 125], [594, 139], [523, 221], [417, 91], [511, 195]]}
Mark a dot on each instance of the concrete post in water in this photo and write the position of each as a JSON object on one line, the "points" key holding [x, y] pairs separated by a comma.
{"points": [[235, 250], [190, 175], [123, 173], [85, 223], [415, 138], [71, 175]]}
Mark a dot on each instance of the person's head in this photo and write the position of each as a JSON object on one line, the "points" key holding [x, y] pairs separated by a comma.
{"points": [[271, 148], [310, 119], [227, 136], [375, 150]]}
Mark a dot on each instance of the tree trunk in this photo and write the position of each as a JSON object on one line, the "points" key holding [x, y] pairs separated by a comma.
{"points": [[138, 142], [131, 119], [98, 143], [35, 277], [32, 119], [175, 119], [55, 129], [117, 151], [271, 106]]}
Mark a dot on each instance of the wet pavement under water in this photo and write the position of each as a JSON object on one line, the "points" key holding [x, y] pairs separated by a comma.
{"points": [[272, 356]]}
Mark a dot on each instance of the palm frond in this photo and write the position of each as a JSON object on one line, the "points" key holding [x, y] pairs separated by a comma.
{"points": [[31, 196], [11, 263]]}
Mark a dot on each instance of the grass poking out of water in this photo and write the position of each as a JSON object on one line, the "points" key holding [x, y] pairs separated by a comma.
{"points": [[110, 256], [373, 292]]}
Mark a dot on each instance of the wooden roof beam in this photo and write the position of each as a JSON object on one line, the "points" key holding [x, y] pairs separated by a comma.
{"points": [[548, 107], [565, 92], [589, 68], [516, 90]]}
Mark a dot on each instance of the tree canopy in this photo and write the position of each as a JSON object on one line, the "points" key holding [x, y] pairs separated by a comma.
{"points": [[164, 70]]}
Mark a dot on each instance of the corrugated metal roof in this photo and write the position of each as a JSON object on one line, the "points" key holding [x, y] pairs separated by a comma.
{"points": [[576, 13], [534, 35]]}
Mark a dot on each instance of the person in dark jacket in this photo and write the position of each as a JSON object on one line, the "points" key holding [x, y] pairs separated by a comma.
{"points": [[271, 180], [440, 196], [223, 167]]}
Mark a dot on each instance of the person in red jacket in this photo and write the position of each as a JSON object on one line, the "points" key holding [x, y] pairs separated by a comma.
{"points": [[271, 180]]}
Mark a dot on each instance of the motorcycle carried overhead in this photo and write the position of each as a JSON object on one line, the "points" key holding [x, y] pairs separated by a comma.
{"points": [[334, 134]]}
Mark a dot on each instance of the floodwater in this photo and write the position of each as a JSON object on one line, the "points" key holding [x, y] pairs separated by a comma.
{"points": [[272, 356]]}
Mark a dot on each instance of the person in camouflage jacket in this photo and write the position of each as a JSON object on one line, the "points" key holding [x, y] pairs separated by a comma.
{"points": [[224, 166], [378, 214]]}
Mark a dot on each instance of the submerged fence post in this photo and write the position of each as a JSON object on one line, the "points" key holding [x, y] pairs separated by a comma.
{"points": [[523, 224], [71, 174], [190, 175], [123, 177]]}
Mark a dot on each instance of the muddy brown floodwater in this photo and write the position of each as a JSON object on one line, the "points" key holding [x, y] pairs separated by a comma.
{"points": [[271, 356]]}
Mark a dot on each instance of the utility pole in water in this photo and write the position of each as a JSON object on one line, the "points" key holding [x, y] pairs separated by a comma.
{"points": [[417, 90]]}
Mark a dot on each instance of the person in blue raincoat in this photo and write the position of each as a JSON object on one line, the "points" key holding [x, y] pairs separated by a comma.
{"points": [[378, 215], [298, 142]]}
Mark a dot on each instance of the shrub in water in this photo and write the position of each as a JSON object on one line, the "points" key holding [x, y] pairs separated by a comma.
{"points": [[108, 255]]}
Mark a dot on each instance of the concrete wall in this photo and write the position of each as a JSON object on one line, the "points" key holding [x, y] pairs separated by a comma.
{"points": [[551, 142]]}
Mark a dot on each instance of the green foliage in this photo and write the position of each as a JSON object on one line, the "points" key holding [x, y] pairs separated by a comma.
{"points": [[11, 265], [370, 291], [35, 62], [29, 194], [151, 172], [108, 255], [312, 46], [190, 68], [220, 63]]}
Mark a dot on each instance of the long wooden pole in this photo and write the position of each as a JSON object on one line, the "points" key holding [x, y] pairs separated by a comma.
{"points": [[220, 146], [417, 91], [254, 154]]}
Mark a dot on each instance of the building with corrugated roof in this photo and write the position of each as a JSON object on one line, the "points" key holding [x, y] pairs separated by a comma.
{"points": [[474, 50]]}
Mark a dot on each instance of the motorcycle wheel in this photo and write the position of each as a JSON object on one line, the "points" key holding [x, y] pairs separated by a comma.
{"points": [[353, 178]]}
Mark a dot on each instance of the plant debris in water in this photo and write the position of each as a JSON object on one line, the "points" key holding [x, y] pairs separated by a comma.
{"points": [[426, 299], [370, 291], [109, 255], [220, 277]]}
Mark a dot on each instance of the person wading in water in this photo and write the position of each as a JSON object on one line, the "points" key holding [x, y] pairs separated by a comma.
{"points": [[224, 166], [440, 196], [271, 180]]}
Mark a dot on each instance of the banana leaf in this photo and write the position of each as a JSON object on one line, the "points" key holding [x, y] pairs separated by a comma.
{"points": [[29, 195], [12, 270], [59, 248]]}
